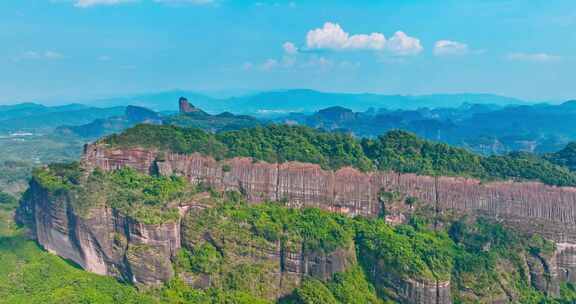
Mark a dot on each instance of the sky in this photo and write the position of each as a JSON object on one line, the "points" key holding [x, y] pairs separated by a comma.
{"points": [[83, 49]]}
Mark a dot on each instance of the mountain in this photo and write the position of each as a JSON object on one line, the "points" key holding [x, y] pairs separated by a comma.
{"points": [[161, 101], [133, 115], [32, 109], [274, 103], [192, 116], [283, 102], [51, 117], [565, 157], [485, 128], [194, 217], [188, 116]]}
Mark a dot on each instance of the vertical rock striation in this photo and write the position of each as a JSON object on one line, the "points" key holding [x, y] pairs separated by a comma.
{"points": [[102, 241], [529, 206], [105, 242]]}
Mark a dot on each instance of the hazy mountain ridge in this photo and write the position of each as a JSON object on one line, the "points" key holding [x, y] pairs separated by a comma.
{"points": [[487, 129], [296, 100]]}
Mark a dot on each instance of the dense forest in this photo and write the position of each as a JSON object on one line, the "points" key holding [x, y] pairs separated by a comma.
{"points": [[396, 150]]}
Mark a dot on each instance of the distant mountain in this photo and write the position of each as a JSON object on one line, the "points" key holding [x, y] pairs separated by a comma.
{"points": [[133, 115], [487, 129], [33, 109], [565, 157], [274, 103], [188, 116], [51, 117], [192, 116], [282, 102], [162, 101]]}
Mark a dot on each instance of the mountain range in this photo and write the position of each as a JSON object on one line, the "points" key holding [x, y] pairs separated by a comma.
{"points": [[296, 100]]}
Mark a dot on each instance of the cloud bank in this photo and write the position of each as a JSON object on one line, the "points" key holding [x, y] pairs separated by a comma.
{"points": [[448, 48], [91, 3], [333, 37], [533, 57]]}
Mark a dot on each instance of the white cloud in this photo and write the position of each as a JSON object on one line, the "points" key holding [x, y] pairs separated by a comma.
{"points": [[192, 2], [34, 55], [269, 64], [534, 57], [91, 3], [104, 58], [448, 47], [52, 55], [402, 44], [332, 37], [289, 48]]}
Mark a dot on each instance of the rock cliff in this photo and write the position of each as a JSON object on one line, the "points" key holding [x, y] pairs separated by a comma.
{"points": [[101, 241], [529, 206], [106, 242]]}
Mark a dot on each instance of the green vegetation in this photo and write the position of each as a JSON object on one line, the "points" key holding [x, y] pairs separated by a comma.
{"points": [[7, 200], [8, 205], [204, 258], [352, 287], [314, 292], [565, 157], [405, 250], [396, 150], [317, 230], [349, 287], [20, 155], [30, 275], [404, 152], [202, 120], [148, 199], [279, 143], [58, 177], [528, 166], [478, 258]]}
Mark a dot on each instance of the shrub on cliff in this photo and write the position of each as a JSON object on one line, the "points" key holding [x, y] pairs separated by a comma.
{"points": [[58, 177], [172, 138], [7, 200], [313, 292], [565, 157], [525, 166], [404, 250], [396, 150], [145, 198], [280, 143], [317, 230]]}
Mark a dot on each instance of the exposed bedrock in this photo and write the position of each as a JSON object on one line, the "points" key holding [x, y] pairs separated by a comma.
{"points": [[105, 242], [528, 206], [285, 263]]}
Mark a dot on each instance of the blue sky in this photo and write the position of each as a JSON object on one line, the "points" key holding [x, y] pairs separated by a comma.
{"points": [[81, 49]]}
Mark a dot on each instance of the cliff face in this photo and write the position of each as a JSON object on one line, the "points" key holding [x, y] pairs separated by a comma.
{"points": [[529, 207], [282, 264], [106, 242], [102, 241]]}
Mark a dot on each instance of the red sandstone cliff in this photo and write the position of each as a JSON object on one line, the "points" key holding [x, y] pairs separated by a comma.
{"points": [[527, 207]]}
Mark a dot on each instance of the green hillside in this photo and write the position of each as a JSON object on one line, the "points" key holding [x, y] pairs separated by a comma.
{"points": [[396, 150]]}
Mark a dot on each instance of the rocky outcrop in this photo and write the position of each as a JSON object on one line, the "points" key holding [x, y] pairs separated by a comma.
{"points": [[544, 273], [105, 242], [102, 240], [136, 114], [405, 289], [185, 107], [529, 207], [281, 264]]}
